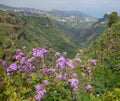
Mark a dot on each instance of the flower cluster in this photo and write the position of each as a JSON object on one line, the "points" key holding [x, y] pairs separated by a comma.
{"points": [[39, 52], [60, 69], [19, 54], [61, 62], [39, 92], [57, 54], [74, 83], [22, 63], [20, 68], [62, 76], [47, 71], [12, 67]]}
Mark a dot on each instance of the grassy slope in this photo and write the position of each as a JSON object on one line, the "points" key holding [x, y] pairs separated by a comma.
{"points": [[106, 49]]}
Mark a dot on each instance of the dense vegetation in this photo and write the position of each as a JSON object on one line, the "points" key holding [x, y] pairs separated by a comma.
{"points": [[47, 75], [106, 50]]}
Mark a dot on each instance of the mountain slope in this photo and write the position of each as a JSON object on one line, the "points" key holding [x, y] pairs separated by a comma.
{"points": [[17, 31], [106, 50], [86, 36], [72, 21]]}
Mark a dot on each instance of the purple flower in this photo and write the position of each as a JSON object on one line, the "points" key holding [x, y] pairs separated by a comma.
{"points": [[93, 61], [18, 57], [43, 90], [77, 59], [57, 54], [74, 83], [60, 76], [38, 87], [18, 51], [74, 74], [88, 87], [69, 63], [61, 62], [44, 51], [21, 68], [4, 63], [12, 67], [50, 49], [29, 67], [45, 82], [44, 71], [88, 69], [28, 79], [39, 92], [39, 52], [29, 60], [38, 97], [47, 71], [65, 75], [22, 60], [51, 70], [24, 47], [21, 54]]}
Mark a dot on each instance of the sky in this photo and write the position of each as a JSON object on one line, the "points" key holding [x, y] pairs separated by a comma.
{"points": [[95, 8]]}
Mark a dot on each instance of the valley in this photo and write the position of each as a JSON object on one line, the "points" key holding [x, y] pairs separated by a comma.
{"points": [[58, 55], [52, 28]]}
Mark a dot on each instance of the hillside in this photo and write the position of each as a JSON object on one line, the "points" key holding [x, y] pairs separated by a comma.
{"points": [[73, 22], [106, 51], [94, 31], [17, 31], [81, 28]]}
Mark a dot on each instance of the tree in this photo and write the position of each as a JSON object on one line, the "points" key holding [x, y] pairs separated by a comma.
{"points": [[113, 18]]}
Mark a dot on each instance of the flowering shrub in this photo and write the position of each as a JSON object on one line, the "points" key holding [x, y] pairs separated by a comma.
{"points": [[42, 74], [45, 74]]}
